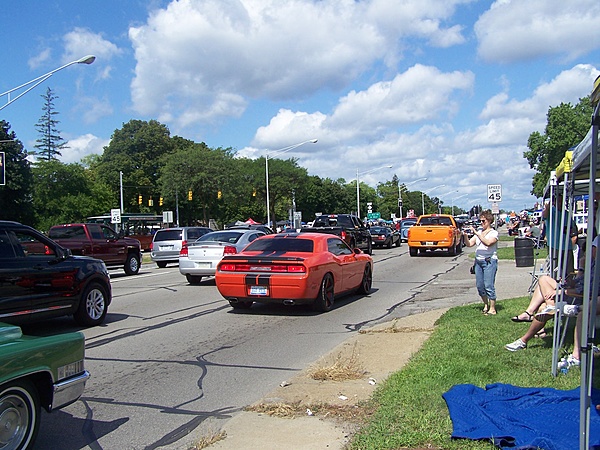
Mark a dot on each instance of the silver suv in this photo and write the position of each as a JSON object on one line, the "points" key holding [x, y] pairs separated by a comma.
{"points": [[167, 243]]}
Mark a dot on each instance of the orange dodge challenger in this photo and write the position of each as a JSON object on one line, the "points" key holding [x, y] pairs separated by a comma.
{"points": [[292, 269]]}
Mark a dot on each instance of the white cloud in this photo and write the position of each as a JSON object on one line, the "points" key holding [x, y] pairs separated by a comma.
{"points": [[82, 42], [192, 55], [521, 30], [39, 59], [81, 146]]}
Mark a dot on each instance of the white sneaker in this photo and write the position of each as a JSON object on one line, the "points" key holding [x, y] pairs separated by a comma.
{"points": [[514, 346], [571, 310], [569, 362]]}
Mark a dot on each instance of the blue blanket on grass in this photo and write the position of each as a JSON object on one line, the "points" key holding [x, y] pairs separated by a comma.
{"points": [[515, 417]]}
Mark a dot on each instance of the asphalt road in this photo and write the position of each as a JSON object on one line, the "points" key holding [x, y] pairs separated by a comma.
{"points": [[173, 361]]}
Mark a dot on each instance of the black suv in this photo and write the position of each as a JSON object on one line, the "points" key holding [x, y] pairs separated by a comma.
{"points": [[39, 279]]}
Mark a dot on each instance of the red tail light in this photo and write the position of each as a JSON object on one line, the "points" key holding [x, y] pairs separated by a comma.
{"points": [[229, 250], [184, 249], [343, 235], [151, 245], [270, 268]]}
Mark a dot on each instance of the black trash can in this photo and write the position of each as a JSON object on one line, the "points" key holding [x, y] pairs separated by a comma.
{"points": [[524, 252]]}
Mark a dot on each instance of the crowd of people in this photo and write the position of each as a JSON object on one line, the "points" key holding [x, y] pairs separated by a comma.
{"points": [[568, 283]]}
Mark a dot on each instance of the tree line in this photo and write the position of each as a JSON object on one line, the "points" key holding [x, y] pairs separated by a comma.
{"points": [[161, 172]]}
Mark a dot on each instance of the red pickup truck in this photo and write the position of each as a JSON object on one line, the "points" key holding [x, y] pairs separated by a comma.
{"points": [[101, 242]]}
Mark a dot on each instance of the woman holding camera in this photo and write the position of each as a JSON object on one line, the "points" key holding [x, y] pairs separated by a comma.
{"points": [[486, 260]]}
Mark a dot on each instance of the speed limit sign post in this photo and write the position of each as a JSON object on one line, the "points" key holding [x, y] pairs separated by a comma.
{"points": [[494, 193]]}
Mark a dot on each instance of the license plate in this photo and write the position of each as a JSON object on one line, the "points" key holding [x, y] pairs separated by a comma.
{"points": [[429, 243], [202, 265], [165, 247], [259, 290]]}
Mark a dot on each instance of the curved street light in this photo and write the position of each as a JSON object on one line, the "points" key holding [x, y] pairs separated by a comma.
{"points": [[278, 152], [358, 185], [404, 186], [456, 198], [427, 192], [39, 80]]}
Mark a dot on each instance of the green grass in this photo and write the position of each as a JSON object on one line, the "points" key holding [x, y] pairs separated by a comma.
{"points": [[465, 347]]}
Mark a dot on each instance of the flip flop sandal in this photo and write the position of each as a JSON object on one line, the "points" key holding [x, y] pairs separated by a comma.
{"points": [[546, 314], [519, 319], [541, 334]]}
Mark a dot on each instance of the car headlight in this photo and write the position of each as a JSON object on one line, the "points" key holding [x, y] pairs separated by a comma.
{"points": [[71, 369]]}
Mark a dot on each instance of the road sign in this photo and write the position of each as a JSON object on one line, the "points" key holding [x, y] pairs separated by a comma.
{"points": [[115, 215], [494, 192], [373, 215], [168, 216]]}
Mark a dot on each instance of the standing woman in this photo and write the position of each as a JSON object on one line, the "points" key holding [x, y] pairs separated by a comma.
{"points": [[486, 261]]}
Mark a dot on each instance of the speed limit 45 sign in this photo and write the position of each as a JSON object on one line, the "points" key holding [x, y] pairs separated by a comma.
{"points": [[494, 192]]}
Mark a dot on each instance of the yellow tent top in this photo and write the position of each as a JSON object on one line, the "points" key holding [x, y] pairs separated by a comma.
{"points": [[566, 165]]}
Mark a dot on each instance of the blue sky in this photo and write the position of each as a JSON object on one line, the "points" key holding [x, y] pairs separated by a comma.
{"points": [[444, 89]]}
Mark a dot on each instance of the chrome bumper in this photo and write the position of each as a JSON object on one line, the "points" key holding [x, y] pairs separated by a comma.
{"points": [[69, 390]]}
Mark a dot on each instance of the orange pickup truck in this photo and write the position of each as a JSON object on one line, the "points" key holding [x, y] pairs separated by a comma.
{"points": [[433, 231]]}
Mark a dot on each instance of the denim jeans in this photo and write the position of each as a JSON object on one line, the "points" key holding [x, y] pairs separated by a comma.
{"points": [[485, 277]]}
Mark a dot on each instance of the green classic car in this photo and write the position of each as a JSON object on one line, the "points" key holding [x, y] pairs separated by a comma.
{"points": [[34, 372]]}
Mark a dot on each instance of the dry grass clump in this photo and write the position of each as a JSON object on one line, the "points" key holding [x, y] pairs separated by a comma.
{"points": [[343, 368], [206, 441], [343, 413], [277, 409]]}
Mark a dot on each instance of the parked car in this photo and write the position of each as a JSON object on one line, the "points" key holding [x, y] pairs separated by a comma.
{"points": [[99, 241], [384, 237], [39, 279], [294, 268], [168, 242], [36, 372], [405, 224], [199, 259]]}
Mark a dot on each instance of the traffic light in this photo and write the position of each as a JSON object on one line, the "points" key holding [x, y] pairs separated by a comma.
{"points": [[150, 202], [219, 195], [190, 195], [140, 199], [254, 193], [160, 201]]}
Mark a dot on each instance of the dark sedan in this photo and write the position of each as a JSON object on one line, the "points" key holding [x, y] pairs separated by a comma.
{"points": [[384, 237]]}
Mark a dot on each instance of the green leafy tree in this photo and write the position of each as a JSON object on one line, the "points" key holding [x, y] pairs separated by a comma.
{"points": [[16, 194], [65, 193], [50, 143], [206, 173], [138, 150], [566, 126]]}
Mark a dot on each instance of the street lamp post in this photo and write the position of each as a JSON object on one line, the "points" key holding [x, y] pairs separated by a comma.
{"points": [[440, 197], [427, 192], [456, 198], [358, 186], [404, 186], [276, 152], [39, 80]]}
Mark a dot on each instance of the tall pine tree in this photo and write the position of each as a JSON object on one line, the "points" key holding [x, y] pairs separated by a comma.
{"points": [[50, 142]]}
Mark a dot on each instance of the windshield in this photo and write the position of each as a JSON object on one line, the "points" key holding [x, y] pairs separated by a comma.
{"points": [[281, 245], [231, 237]]}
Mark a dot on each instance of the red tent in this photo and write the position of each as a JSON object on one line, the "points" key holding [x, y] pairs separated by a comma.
{"points": [[251, 221]]}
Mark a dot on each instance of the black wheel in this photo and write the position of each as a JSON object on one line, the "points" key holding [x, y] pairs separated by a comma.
{"points": [[390, 244], [241, 305], [132, 265], [193, 279], [459, 248], [92, 306], [413, 251], [19, 415], [370, 249], [452, 250], [367, 281], [161, 264], [326, 297], [398, 242]]}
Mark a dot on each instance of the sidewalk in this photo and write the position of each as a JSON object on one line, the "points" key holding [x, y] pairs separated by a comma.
{"points": [[250, 430]]}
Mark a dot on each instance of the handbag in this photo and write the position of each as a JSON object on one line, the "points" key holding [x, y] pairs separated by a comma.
{"points": [[472, 269]]}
